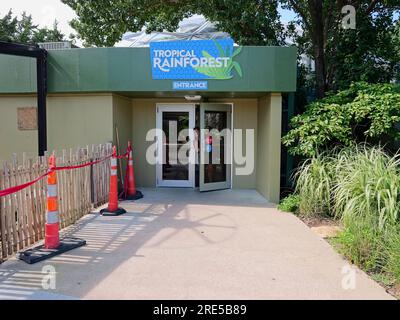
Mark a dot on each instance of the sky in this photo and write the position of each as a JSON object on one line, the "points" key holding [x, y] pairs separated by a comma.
{"points": [[44, 12]]}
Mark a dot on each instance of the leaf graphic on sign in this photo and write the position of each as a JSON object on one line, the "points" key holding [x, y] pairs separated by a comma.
{"points": [[223, 72]]}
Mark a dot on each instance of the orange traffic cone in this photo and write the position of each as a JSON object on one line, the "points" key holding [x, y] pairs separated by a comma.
{"points": [[113, 209], [52, 237], [131, 192], [53, 245]]}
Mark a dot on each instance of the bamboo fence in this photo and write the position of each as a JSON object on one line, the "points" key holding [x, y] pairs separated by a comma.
{"points": [[22, 214]]}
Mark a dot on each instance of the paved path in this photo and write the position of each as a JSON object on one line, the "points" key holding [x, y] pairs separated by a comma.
{"points": [[180, 244]]}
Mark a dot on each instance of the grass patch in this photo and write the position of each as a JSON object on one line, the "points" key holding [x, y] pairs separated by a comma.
{"points": [[384, 279], [363, 245], [290, 203], [393, 254]]}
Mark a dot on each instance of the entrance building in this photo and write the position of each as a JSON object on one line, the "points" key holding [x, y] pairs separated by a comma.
{"points": [[200, 114]]}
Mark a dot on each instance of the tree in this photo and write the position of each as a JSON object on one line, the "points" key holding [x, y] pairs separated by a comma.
{"points": [[396, 40], [341, 56], [362, 113], [23, 30], [102, 23], [8, 27], [366, 53], [48, 35], [249, 22]]}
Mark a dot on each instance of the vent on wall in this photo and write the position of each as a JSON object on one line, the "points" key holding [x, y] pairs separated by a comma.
{"points": [[56, 45]]}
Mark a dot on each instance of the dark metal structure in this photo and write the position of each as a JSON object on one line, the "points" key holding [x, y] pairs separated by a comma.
{"points": [[40, 55]]}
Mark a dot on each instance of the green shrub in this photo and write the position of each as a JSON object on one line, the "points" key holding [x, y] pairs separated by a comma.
{"points": [[363, 112], [314, 183], [290, 203]]}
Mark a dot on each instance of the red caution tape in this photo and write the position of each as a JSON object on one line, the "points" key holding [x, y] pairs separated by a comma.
{"points": [[123, 156], [81, 165], [15, 189], [11, 190]]}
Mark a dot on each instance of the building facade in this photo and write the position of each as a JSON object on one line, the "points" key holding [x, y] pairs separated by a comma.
{"points": [[96, 94]]}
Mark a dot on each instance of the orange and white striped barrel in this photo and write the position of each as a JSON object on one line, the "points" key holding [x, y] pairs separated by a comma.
{"points": [[52, 228]]}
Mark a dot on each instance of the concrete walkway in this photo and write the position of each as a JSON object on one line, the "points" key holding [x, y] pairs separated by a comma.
{"points": [[180, 244]]}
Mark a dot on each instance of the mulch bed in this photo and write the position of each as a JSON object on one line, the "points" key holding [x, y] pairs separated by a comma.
{"points": [[319, 221], [395, 291]]}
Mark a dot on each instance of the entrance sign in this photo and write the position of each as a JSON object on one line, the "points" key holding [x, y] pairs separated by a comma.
{"points": [[190, 85], [195, 59]]}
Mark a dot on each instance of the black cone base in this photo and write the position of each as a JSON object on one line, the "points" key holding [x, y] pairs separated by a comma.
{"points": [[40, 253], [107, 213], [138, 195]]}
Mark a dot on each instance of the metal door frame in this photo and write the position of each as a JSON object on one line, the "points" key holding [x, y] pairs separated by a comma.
{"points": [[229, 175], [175, 107]]}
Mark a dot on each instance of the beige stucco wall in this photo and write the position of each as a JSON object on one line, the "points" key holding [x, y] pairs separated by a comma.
{"points": [[72, 121], [76, 121], [269, 146], [13, 140], [121, 124], [122, 121]]}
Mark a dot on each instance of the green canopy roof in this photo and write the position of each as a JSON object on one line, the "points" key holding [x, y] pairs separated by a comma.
{"points": [[128, 71]]}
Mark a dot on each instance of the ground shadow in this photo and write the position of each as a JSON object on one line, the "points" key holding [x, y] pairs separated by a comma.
{"points": [[113, 240]]}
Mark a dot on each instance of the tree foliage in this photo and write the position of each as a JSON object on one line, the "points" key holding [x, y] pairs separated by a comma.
{"points": [[23, 30], [366, 53], [369, 53], [396, 40], [102, 23], [363, 113]]}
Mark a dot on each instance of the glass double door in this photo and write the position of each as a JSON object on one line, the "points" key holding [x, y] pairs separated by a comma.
{"points": [[194, 148]]}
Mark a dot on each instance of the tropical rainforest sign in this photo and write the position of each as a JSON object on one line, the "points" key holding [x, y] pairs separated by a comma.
{"points": [[196, 59]]}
